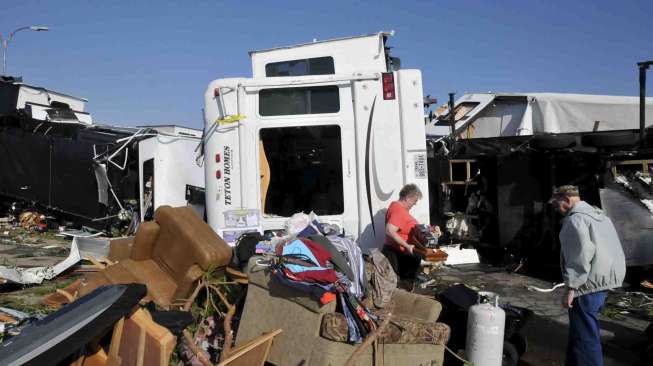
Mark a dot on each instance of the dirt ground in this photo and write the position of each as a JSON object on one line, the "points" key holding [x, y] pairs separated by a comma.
{"points": [[623, 329], [28, 249], [622, 333]]}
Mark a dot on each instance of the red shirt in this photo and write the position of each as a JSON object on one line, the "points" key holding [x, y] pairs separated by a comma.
{"points": [[399, 216]]}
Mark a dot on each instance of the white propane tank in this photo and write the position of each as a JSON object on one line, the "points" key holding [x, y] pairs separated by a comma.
{"points": [[485, 327]]}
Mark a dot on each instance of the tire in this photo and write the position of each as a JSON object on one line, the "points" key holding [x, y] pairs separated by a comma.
{"points": [[553, 142], [611, 140], [520, 342], [510, 354]]}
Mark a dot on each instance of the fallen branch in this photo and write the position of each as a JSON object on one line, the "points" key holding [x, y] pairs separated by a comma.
{"points": [[199, 353], [193, 296]]}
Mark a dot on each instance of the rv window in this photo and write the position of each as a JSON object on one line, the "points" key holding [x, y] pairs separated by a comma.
{"points": [[311, 66], [302, 170], [289, 101]]}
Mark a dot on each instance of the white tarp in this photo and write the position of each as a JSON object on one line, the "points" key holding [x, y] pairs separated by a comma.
{"points": [[563, 113], [513, 114]]}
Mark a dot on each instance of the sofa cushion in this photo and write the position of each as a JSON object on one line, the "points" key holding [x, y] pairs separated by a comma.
{"points": [[415, 307], [328, 353], [334, 327], [184, 239], [144, 240], [159, 286], [120, 249]]}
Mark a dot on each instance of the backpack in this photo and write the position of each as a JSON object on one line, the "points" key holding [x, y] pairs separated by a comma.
{"points": [[245, 247]]}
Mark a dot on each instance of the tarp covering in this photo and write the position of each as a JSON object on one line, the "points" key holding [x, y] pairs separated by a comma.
{"points": [[513, 114], [562, 113]]}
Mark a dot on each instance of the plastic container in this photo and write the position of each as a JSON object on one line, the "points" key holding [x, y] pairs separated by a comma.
{"points": [[231, 235], [241, 218]]}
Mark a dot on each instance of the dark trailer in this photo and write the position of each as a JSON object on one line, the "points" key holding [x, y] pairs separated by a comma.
{"points": [[101, 176], [497, 182]]}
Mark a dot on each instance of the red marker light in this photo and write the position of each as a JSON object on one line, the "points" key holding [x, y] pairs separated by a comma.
{"points": [[218, 174], [216, 92], [217, 158], [388, 86]]}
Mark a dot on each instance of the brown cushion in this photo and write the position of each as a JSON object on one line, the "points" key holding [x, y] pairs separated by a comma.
{"points": [[145, 238], [120, 249], [334, 327], [184, 239], [160, 287]]}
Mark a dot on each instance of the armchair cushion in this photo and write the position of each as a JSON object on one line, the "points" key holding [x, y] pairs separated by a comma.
{"points": [[168, 256], [145, 238], [418, 308]]}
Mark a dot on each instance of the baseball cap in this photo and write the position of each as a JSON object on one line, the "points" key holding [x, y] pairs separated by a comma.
{"points": [[564, 191]]}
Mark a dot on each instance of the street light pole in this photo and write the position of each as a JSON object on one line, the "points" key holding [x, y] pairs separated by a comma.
{"points": [[5, 42]]}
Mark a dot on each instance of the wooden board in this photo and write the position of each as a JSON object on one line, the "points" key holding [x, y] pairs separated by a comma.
{"points": [[253, 353], [141, 342]]}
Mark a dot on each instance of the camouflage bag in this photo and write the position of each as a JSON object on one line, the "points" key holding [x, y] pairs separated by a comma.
{"points": [[334, 327]]}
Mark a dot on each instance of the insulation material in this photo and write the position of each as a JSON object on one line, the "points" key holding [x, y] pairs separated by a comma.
{"points": [[39, 274], [458, 255], [634, 225]]}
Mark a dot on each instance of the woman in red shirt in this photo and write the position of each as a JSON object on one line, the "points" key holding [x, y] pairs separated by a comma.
{"points": [[399, 224]]}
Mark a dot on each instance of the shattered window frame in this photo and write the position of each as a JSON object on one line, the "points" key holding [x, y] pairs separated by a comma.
{"points": [[305, 169]]}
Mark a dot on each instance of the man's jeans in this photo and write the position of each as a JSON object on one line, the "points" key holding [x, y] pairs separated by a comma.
{"points": [[584, 347]]}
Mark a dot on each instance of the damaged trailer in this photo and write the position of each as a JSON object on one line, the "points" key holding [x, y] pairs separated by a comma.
{"points": [[100, 176], [508, 153], [332, 127]]}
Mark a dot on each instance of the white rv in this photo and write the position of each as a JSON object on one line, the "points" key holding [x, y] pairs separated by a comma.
{"points": [[329, 126]]}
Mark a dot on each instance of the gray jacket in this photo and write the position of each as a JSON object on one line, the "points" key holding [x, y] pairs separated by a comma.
{"points": [[591, 255]]}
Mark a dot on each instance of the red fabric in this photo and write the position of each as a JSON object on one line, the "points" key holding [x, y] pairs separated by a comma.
{"points": [[325, 276], [321, 254], [399, 216]]}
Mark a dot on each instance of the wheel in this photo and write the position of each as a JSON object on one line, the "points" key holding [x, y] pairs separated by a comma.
{"points": [[520, 342], [510, 354], [553, 142], [607, 140]]}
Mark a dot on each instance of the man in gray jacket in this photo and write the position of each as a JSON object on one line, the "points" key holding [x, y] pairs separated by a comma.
{"points": [[592, 262]]}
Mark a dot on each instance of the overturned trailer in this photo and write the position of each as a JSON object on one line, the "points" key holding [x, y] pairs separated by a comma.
{"points": [[496, 171], [332, 127], [54, 156]]}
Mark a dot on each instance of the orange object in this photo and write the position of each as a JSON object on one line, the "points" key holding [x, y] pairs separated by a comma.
{"points": [[327, 298]]}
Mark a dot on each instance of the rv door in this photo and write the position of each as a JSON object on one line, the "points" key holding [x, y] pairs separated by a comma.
{"points": [[302, 139]]}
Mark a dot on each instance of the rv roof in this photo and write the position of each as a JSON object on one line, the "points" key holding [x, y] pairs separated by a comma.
{"points": [[20, 83], [381, 33]]}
